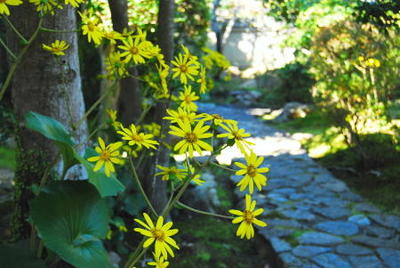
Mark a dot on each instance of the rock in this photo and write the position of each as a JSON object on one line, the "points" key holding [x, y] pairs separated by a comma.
{"points": [[289, 260], [275, 232], [249, 84], [286, 191], [376, 242], [379, 232], [297, 196], [285, 223], [277, 197], [351, 249], [338, 227], [360, 220], [280, 245], [316, 238], [366, 208], [115, 259], [299, 214], [390, 221], [332, 212], [246, 97], [366, 261], [292, 110], [330, 260], [351, 196], [203, 196], [390, 257], [336, 186], [309, 251]]}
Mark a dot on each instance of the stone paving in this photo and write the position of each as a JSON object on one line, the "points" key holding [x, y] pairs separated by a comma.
{"points": [[314, 219]]}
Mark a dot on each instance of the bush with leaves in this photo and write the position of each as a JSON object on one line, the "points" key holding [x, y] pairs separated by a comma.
{"points": [[356, 69]]}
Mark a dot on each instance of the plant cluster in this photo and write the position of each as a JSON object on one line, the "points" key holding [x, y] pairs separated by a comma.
{"points": [[71, 218]]}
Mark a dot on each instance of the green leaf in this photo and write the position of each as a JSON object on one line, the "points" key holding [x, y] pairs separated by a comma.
{"points": [[71, 218], [107, 186], [53, 130], [17, 256], [49, 127]]}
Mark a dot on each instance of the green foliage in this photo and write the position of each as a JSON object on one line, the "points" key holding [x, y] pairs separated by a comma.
{"points": [[55, 131], [18, 256], [71, 218], [191, 22], [354, 66], [290, 83], [7, 158], [382, 13]]}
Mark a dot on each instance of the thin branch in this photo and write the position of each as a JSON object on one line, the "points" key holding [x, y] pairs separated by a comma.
{"points": [[203, 212]]}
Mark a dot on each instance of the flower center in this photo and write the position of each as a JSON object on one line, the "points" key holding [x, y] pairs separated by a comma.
{"points": [[248, 216], [191, 137], [91, 27], [183, 68], [134, 50], [105, 155], [137, 138], [158, 234], [236, 135], [188, 99], [251, 171], [3, 1]]}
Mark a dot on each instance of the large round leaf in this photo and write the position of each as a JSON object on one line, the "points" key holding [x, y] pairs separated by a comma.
{"points": [[71, 218]]}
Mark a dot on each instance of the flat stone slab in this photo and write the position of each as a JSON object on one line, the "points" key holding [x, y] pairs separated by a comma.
{"points": [[389, 221], [390, 257], [280, 245], [309, 251], [338, 227], [351, 249], [366, 261], [332, 212], [299, 214], [316, 238], [330, 260], [380, 232], [376, 242], [361, 220]]}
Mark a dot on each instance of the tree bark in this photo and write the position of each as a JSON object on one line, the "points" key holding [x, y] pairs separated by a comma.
{"points": [[48, 85], [129, 101], [165, 39]]}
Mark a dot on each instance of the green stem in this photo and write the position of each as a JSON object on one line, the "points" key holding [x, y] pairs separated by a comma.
{"points": [[8, 49], [223, 167], [203, 212], [18, 60], [44, 29], [15, 30], [99, 100], [136, 177]]}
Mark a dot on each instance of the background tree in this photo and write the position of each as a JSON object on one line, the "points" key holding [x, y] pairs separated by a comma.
{"points": [[48, 85]]}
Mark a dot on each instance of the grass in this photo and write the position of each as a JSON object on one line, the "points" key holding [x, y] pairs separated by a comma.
{"points": [[7, 158], [375, 176]]}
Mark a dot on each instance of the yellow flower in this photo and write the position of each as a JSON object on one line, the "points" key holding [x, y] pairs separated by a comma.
{"points": [[191, 138], [135, 137], [159, 262], [113, 36], [153, 128], [238, 135], [74, 3], [252, 173], [91, 28], [167, 172], [160, 234], [116, 66], [108, 155], [217, 119], [135, 49], [202, 80], [185, 68], [4, 8], [46, 6], [247, 218], [180, 115], [187, 97], [57, 47]]}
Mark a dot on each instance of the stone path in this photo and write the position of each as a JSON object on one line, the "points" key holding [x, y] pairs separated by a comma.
{"points": [[314, 219]]}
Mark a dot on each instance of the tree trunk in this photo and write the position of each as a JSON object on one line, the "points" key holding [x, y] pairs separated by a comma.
{"points": [[48, 85], [129, 102], [165, 39]]}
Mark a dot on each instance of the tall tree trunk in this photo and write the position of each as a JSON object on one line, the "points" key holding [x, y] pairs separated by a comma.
{"points": [[165, 39], [48, 85], [129, 102]]}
